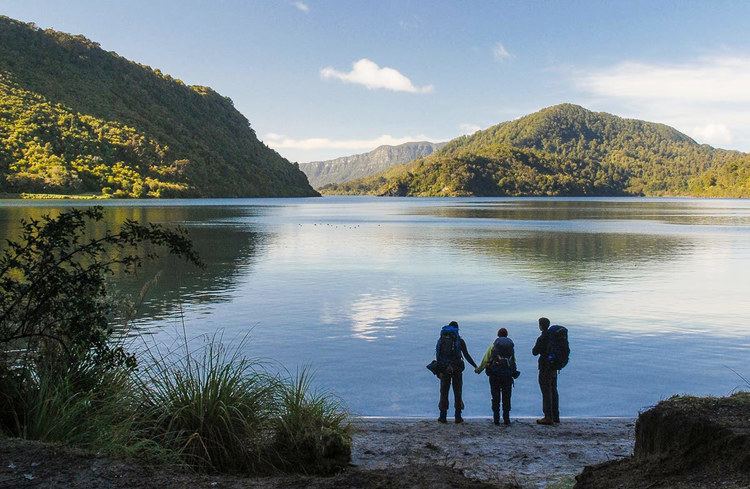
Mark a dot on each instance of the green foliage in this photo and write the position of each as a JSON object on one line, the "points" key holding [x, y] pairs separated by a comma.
{"points": [[731, 179], [211, 406], [219, 411], [53, 300], [561, 150], [312, 430], [75, 118], [88, 407], [63, 375]]}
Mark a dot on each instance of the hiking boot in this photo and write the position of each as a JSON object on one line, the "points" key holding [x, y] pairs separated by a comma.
{"points": [[443, 417], [545, 421], [442, 420], [506, 419], [459, 419], [496, 419]]}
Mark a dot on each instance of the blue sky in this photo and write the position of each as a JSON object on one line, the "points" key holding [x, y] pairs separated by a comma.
{"points": [[319, 79]]}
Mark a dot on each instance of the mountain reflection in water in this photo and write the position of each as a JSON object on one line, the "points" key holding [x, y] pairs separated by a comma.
{"points": [[654, 291]]}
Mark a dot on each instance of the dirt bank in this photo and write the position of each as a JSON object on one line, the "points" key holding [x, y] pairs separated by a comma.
{"points": [[684, 442], [388, 453]]}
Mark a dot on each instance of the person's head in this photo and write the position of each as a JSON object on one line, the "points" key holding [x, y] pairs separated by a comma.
{"points": [[502, 333], [543, 324], [453, 323]]}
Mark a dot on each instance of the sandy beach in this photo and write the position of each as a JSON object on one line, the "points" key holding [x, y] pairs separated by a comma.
{"points": [[526, 453]]}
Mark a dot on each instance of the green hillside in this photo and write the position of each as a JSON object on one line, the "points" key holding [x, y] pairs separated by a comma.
{"points": [[75, 118], [560, 150], [730, 179]]}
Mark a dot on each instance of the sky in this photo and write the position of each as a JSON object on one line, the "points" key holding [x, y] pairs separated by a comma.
{"points": [[320, 79]]}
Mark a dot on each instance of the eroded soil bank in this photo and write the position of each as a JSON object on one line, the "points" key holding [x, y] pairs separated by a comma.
{"points": [[684, 442], [388, 453]]}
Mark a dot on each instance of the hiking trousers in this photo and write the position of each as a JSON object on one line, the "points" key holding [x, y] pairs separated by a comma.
{"points": [[455, 379], [501, 387], [550, 398]]}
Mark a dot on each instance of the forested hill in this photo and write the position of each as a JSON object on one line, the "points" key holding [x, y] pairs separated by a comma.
{"points": [[345, 168], [561, 150], [75, 118]]}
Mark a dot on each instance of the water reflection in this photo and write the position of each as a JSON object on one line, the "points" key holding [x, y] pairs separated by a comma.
{"points": [[574, 258], [695, 212], [649, 289], [373, 315], [226, 246]]}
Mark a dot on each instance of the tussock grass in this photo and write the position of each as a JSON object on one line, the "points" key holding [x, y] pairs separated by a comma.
{"points": [[312, 429], [210, 405], [88, 408], [220, 411]]}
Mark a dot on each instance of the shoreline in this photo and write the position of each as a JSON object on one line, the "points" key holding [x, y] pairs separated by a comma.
{"points": [[526, 453]]}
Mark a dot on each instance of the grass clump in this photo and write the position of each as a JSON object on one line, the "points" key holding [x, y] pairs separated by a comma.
{"points": [[211, 406], [312, 430], [219, 411]]}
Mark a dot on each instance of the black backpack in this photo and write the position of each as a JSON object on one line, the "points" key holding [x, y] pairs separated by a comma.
{"points": [[448, 350], [558, 348], [499, 363]]}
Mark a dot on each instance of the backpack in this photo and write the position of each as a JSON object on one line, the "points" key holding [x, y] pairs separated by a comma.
{"points": [[448, 349], [558, 349], [499, 363]]}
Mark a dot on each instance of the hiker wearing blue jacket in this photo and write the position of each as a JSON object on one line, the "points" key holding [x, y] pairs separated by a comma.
{"points": [[500, 364], [449, 354], [547, 377]]}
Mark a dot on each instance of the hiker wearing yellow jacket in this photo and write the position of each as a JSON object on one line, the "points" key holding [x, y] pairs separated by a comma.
{"points": [[499, 361]]}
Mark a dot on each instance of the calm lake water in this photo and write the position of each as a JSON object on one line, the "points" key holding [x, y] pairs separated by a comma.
{"points": [[655, 292]]}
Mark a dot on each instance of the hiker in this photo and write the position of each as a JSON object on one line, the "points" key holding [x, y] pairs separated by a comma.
{"points": [[449, 354], [553, 351], [500, 364]]}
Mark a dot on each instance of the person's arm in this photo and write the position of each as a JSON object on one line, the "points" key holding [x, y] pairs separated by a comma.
{"points": [[485, 360], [513, 366], [466, 354], [538, 346]]}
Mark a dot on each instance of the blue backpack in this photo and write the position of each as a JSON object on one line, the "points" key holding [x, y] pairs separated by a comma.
{"points": [[558, 351], [448, 349]]}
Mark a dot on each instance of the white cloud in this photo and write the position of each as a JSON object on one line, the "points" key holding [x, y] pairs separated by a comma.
{"points": [[468, 128], [280, 141], [500, 53], [301, 6], [721, 79], [707, 98], [368, 73], [718, 133]]}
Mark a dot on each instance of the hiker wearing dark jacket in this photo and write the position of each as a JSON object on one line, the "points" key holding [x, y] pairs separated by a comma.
{"points": [[547, 377], [500, 364], [450, 352]]}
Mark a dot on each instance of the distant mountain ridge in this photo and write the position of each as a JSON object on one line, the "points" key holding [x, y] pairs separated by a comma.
{"points": [[77, 119], [563, 150], [338, 170]]}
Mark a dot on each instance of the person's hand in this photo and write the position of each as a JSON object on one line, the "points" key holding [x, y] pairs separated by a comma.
{"points": [[476, 370]]}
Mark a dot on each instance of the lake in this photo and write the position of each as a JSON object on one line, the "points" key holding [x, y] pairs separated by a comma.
{"points": [[655, 292]]}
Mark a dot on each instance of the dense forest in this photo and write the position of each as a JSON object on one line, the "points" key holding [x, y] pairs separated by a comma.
{"points": [[77, 119], [564, 150], [732, 179]]}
